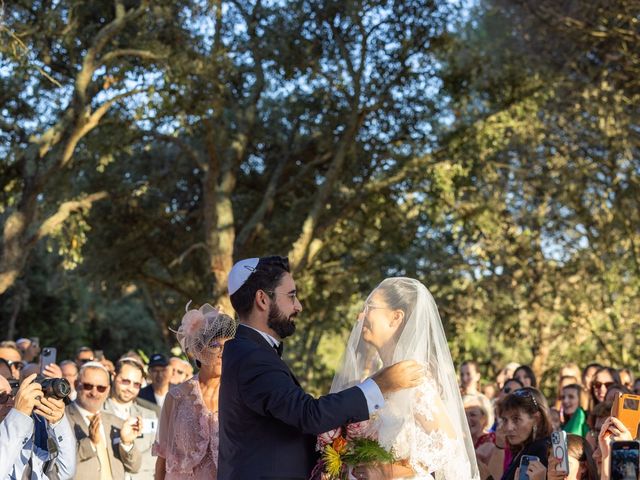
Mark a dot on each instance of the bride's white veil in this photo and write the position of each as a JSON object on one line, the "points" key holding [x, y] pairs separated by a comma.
{"points": [[422, 339]]}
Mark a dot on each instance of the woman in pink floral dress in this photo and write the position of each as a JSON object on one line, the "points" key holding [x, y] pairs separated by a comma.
{"points": [[187, 441]]}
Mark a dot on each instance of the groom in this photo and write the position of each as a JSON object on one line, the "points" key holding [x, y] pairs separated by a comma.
{"points": [[268, 424]]}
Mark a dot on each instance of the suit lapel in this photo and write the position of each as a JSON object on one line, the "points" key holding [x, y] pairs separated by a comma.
{"points": [[113, 438], [77, 420], [250, 334]]}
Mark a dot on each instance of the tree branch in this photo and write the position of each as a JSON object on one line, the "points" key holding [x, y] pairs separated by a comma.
{"points": [[91, 122], [64, 210], [131, 52], [183, 255], [255, 222]]}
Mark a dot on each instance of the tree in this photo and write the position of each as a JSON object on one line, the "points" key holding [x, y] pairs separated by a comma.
{"points": [[58, 86]]}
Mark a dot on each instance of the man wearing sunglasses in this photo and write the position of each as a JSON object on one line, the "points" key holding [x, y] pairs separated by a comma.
{"points": [[36, 440], [124, 403], [105, 443], [10, 353]]}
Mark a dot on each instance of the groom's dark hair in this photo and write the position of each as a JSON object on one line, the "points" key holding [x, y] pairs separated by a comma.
{"points": [[266, 277]]}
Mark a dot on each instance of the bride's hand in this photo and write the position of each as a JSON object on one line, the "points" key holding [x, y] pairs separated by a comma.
{"points": [[371, 472]]}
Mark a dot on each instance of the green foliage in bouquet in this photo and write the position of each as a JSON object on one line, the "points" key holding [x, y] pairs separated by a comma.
{"points": [[365, 451]]}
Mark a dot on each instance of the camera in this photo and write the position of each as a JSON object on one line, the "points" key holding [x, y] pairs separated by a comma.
{"points": [[15, 385], [54, 387]]}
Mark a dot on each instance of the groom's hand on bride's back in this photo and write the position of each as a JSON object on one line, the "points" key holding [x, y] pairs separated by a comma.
{"points": [[405, 374]]}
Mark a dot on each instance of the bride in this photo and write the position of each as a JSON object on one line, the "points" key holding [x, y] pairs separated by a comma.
{"points": [[425, 426]]}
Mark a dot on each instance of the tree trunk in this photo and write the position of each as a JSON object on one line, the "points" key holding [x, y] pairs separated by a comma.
{"points": [[15, 248], [219, 232]]}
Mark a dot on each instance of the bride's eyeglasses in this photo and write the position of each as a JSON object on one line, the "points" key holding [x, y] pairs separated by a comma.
{"points": [[371, 306]]}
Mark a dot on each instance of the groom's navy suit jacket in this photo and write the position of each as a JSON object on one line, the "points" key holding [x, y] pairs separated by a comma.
{"points": [[268, 424]]}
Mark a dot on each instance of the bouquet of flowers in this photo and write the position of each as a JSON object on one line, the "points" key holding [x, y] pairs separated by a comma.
{"points": [[346, 447]]}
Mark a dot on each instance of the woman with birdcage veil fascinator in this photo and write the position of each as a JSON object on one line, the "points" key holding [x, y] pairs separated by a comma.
{"points": [[425, 426], [188, 436]]}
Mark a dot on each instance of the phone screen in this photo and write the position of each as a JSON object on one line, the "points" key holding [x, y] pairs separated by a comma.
{"points": [[625, 461]]}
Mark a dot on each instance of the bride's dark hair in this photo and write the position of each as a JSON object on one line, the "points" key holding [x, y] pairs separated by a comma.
{"points": [[399, 295]]}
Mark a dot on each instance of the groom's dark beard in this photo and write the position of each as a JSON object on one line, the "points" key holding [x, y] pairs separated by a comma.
{"points": [[279, 322]]}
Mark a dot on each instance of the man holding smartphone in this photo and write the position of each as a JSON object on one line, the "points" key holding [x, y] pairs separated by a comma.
{"points": [[36, 440]]}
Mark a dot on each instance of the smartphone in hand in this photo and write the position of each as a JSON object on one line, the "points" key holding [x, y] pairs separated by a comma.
{"points": [[625, 460], [524, 465], [47, 357], [626, 408], [559, 448]]}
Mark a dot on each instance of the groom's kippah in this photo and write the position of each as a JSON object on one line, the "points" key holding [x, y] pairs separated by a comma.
{"points": [[240, 273]]}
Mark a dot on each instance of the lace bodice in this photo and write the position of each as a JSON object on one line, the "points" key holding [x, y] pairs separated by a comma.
{"points": [[428, 442], [188, 435]]}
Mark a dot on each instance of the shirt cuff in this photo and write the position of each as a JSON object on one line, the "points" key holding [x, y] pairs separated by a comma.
{"points": [[375, 400]]}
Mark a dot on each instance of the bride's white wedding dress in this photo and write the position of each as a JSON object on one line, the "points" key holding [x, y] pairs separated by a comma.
{"points": [[429, 447], [425, 426]]}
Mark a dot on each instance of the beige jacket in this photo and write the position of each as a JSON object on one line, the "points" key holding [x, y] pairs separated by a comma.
{"points": [[88, 465]]}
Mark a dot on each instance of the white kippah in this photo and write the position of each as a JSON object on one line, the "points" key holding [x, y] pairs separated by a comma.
{"points": [[240, 273]]}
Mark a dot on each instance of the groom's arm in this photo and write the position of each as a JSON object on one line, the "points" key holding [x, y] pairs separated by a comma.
{"points": [[267, 388]]}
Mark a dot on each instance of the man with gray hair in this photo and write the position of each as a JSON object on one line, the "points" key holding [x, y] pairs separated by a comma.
{"points": [[105, 443]]}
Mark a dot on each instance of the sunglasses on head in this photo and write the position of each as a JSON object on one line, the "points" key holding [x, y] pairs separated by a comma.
{"points": [[88, 387], [126, 382], [523, 393], [599, 385]]}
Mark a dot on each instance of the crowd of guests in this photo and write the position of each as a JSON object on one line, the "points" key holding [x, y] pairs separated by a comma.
{"points": [[138, 419], [510, 418], [104, 427]]}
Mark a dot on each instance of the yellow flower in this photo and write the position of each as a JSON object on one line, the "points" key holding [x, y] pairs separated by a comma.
{"points": [[333, 462]]}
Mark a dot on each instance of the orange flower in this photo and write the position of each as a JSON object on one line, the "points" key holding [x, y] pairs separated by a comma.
{"points": [[340, 445]]}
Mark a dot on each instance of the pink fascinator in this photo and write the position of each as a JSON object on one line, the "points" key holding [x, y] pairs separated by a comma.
{"points": [[199, 328]]}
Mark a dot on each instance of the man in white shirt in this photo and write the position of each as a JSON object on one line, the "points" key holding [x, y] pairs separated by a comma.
{"points": [[123, 404], [36, 440], [105, 443]]}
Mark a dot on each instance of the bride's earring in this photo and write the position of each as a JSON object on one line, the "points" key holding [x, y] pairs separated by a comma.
{"points": [[535, 431]]}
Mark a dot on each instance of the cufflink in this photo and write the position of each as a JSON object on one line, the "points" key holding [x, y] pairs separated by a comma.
{"points": [[60, 438], [376, 407]]}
